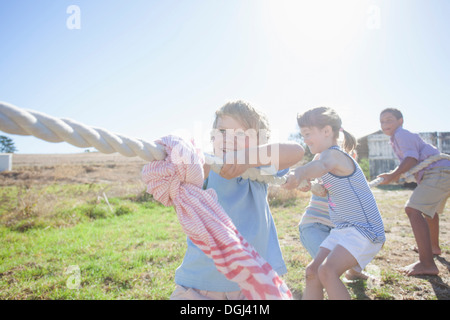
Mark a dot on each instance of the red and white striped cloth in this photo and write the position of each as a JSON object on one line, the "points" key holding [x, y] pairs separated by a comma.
{"points": [[177, 181]]}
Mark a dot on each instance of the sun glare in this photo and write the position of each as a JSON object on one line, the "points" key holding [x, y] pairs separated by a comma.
{"points": [[315, 30]]}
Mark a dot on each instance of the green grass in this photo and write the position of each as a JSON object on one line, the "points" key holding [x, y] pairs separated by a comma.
{"points": [[131, 253], [65, 242]]}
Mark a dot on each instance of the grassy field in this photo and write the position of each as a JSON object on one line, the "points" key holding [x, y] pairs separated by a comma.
{"points": [[83, 228]]}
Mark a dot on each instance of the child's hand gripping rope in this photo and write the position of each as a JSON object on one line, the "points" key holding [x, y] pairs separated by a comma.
{"points": [[316, 188], [409, 175], [177, 180]]}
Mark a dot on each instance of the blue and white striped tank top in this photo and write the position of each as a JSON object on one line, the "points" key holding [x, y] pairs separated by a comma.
{"points": [[352, 203]]}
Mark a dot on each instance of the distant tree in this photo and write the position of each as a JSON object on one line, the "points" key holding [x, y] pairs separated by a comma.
{"points": [[365, 167], [7, 145], [297, 137]]}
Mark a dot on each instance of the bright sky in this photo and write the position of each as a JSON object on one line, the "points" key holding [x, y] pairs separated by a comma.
{"points": [[148, 68]]}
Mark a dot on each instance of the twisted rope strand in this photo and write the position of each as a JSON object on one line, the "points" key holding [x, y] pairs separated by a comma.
{"points": [[409, 175], [29, 122], [18, 121]]}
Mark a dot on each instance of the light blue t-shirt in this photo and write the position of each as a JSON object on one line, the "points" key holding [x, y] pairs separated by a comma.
{"points": [[245, 202]]}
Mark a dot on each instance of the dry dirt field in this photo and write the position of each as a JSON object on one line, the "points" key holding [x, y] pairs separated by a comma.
{"points": [[88, 167], [398, 250]]}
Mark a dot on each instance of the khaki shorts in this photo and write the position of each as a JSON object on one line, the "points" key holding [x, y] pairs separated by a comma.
{"points": [[185, 293], [431, 194]]}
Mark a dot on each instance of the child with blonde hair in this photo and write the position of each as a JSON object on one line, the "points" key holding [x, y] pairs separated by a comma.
{"points": [[240, 135], [358, 234]]}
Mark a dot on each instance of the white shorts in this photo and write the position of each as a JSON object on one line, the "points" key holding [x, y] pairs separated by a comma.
{"points": [[361, 248]]}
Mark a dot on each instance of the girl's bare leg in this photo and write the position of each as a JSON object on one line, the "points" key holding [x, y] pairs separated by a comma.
{"points": [[338, 261], [314, 288]]}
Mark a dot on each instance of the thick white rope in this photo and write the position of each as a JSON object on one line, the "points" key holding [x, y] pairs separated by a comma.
{"points": [[28, 122], [409, 175], [319, 190], [265, 175], [18, 121]]}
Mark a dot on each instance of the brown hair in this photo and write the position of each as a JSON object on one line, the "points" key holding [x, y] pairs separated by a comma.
{"points": [[324, 116]]}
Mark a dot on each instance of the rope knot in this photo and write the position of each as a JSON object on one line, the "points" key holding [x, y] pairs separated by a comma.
{"points": [[183, 165]]}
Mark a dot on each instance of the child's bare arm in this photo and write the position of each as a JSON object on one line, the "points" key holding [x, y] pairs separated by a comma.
{"points": [[279, 155], [312, 170], [407, 164]]}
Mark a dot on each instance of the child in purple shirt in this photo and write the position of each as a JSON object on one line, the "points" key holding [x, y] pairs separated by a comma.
{"points": [[429, 197]]}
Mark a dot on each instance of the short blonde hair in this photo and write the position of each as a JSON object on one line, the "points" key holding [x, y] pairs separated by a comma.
{"points": [[248, 116]]}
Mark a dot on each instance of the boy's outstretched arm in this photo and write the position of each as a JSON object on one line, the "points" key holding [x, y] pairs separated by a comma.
{"points": [[407, 164], [279, 155]]}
